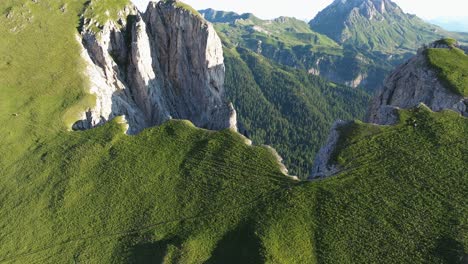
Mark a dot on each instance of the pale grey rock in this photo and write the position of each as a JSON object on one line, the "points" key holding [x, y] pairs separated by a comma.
{"points": [[322, 165], [360, 79], [279, 160], [166, 63], [108, 89], [190, 63], [411, 84]]}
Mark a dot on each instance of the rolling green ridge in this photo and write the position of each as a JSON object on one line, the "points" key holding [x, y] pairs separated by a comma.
{"points": [[179, 194], [401, 197], [287, 108]]}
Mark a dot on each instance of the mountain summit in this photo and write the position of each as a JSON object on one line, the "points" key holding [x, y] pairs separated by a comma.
{"points": [[378, 25]]}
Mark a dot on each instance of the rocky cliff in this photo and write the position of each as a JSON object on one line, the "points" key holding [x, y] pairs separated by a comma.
{"points": [[323, 165], [165, 63], [413, 83]]}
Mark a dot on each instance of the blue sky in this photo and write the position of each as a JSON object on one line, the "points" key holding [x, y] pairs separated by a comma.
{"points": [[307, 9]]}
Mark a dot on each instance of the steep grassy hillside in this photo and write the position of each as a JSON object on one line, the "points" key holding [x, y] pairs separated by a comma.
{"points": [[287, 108], [100, 196], [401, 198], [451, 65], [40, 80], [103, 197], [178, 194]]}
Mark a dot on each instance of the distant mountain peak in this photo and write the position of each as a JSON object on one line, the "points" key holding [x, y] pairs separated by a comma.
{"points": [[216, 16], [367, 8], [376, 25]]}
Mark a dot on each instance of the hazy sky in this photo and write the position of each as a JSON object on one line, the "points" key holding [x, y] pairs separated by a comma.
{"points": [[307, 9]]}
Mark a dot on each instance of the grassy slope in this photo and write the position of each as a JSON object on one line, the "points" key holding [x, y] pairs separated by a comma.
{"points": [[452, 67], [77, 196], [39, 74], [91, 190], [186, 195], [103, 10], [401, 199]]}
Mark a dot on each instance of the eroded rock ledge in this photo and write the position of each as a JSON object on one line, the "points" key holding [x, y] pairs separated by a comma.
{"points": [[165, 63], [411, 84]]}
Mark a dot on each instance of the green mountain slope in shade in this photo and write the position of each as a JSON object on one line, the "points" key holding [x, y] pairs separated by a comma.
{"points": [[287, 108], [178, 194]]}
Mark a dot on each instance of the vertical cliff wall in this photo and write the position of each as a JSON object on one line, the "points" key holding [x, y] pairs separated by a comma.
{"points": [[165, 63]]}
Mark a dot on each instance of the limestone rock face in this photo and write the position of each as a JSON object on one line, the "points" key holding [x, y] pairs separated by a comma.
{"points": [[411, 84], [322, 165], [163, 64]]}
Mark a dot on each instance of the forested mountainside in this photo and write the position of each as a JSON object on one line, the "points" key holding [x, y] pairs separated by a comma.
{"points": [[176, 193], [291, 42], [287, 108], [354, 42]]}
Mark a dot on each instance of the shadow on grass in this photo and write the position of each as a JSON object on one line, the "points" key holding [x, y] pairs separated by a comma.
{"points": [[450, 251], [238, 246], [153, 252]]}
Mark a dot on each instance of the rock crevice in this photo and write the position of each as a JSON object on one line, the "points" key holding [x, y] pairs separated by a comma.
{"points": [[323, 167]]}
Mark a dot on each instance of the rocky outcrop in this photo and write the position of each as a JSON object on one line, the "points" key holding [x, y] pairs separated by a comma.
{"points": [[163, 64], [411, 84], [323, 167], [359, 80]]}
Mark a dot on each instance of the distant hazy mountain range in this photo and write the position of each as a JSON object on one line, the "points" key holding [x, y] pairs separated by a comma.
{"points": [[459, 24], [352, 42]]}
